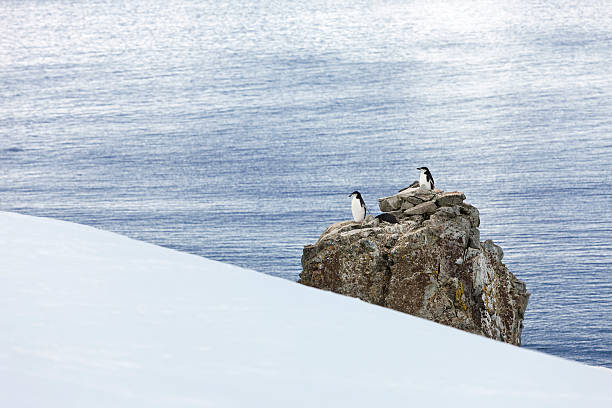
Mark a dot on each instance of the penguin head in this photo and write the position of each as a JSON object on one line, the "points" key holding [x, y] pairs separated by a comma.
{"points": [[423, 169], [356, 194]]}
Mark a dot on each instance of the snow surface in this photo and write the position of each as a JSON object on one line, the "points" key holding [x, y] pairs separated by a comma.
{"points": [[89, 318]]}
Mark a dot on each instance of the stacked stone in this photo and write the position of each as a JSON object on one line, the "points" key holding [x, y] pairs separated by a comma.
{"points": [[418, 205], [417, 201], [430, 264]]}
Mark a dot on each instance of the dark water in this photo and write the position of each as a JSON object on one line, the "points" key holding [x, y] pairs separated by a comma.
{"points": [[236, 130]]}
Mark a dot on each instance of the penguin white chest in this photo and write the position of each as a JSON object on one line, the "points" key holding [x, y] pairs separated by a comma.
{"points": [[358, 210], [423, 182]]}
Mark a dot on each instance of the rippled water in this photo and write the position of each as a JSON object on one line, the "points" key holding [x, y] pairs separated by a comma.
{"points": [[236, 130]]}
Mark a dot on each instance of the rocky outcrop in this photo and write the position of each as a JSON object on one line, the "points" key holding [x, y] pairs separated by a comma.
{"points": [[430, 264]]}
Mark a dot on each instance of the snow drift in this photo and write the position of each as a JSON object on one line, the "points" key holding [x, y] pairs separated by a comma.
{"points": [[92, 319]]}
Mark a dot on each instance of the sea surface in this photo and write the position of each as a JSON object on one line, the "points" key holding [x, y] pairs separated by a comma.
{"points": [[236, 130]]}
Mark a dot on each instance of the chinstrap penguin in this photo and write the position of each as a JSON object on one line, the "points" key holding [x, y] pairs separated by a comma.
{"points": [[358, 207], [426, 180], [390, 218]]}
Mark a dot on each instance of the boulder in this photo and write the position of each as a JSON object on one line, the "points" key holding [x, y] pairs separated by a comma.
{"points": [[428, 207], [431, 264], [450, 199], [392, 203]]}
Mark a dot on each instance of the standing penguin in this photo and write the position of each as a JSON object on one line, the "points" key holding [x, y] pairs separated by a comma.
{"points": [[426, 180], [358, 206]]}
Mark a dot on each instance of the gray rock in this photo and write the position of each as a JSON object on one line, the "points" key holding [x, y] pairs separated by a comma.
{"points": [[406, 205], [430, 265], [494, 249], [424, 195], [472, 213], [392, 203], [416, 219], [474, 239], [413, 200], [428, 207], [450, 199], [448, 212], [407, 198]]}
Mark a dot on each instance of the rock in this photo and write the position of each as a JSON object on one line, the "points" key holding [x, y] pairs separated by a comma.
{"points": [[390, 203], [448, 212], [407, 198], [423, 195], [450, 199], [414, 200], [494, 249], [474, 239], [428, 207], [472, 213], [431, 264], [406, 205]]}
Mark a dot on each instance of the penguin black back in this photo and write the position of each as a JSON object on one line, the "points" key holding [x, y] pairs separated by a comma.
{"points": [[390, 218]]}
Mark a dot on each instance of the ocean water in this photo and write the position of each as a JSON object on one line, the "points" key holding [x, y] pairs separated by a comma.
{"points": [[235, 130]]}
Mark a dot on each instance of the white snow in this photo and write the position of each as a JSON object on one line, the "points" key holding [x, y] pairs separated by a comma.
{"points": [[92, 319]]}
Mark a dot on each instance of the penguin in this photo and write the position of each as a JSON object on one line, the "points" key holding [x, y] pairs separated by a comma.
{"points": [[390, 218], [358, 206], [426, 180], [415, 184]]}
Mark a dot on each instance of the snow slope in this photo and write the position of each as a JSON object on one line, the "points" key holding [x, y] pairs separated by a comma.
{"points": [[92, 319]]}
